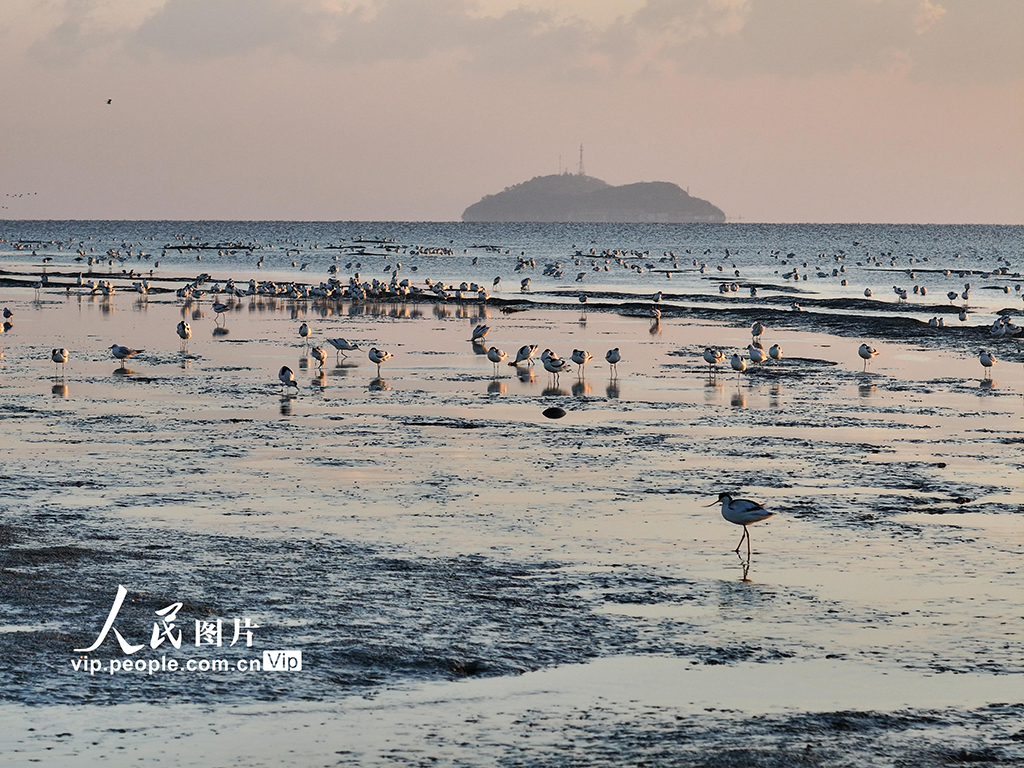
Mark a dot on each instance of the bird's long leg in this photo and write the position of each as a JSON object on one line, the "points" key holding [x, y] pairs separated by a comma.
{"points": [[747, 531], [737, 550]]}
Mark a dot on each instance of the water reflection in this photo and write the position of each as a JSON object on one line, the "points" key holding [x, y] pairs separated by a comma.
{"points": [[380, 385], [479, 349], [738, 400], [60, 390], [303, 363], [497, 387], [655, 328], [866, 390], [220, 330], [612, 390], [713, 389], [526, 375], [580, 389], [286, 404], [122, 371], [987, 385], [554, 391]]}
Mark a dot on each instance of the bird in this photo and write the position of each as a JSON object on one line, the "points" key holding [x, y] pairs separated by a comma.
{"points": [[286, 377], [756, 329], [343, 346], [757, 355], [184, 333], [713, 357], [867, 293], [496, 356], [742, 512], [219, 309], [319, 355], [123, 353], [524, 355], [60, 357], [738, 363], [987, 359], [555, 365], [581, 357], [110, 101], [8, 314], [866, 354], [775, 352], [613, 357], [480, 332], [378, 356], [304, 332]]}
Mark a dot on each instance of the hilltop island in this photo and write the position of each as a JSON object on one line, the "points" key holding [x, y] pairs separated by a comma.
{"points": [[575, 197]]}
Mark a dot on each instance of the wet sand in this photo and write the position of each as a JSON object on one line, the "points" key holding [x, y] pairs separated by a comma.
{"points": [[472, 583]]}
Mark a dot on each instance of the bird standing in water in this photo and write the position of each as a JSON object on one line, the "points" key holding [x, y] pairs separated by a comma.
{"points": [[742, 512]]}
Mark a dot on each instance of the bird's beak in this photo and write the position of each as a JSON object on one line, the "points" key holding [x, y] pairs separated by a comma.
{"points": [[711, 504]]}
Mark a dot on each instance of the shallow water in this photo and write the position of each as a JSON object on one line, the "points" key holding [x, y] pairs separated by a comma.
{"points": [[416, 532]]}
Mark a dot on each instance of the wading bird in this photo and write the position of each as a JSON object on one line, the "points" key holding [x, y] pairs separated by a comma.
{"points": [[613, 357], [184, 331], [123, 353], [378, 356], [742, 512], [495, 355], [866, 353]]}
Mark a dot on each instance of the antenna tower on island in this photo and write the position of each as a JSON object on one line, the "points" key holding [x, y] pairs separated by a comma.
{"points": [[580, 171]]}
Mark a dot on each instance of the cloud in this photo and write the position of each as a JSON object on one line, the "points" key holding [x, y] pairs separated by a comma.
{"points": [[957, 39]]}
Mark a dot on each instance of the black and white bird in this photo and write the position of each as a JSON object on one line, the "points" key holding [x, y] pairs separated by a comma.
{"points": [[741, 512]]}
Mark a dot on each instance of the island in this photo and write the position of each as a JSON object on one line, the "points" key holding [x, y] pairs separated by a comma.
{"points": [[577, 197]]}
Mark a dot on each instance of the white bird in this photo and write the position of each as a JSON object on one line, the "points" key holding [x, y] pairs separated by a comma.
{"points": [[775, 352], [286, 377], [60, 357], [219, 309], [304, 332], [343, 346], [738, 363], [756, 329], [184, 331], [742, 512], [496, 355], [963, 315], [613, 357], [480, 332], [555, 365], [987, 359], [525, 353], [713, 357], [319, 355], [581, 357], [123, 353], [866, 353], [378, 356], [757, 355]]}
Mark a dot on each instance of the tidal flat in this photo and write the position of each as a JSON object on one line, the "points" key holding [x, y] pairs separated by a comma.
{"points": [[471, 583]]}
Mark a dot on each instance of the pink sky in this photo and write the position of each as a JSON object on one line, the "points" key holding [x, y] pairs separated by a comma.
{"points": [[774, 110]]}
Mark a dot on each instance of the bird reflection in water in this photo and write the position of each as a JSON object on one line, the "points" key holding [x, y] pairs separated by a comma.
{"points": [[497, 387], [581, 389], [286, 404], [60, 390], [987, 385], [319, 379], [744, 566], [613, 390], [774, 400], [342, 369], [186, 363], [713, 389], [526, 375], [866, 390], [380, 385], [655, 328], [123, 371], [554, 392], [738, 400], [220, 330], [303, 363]]}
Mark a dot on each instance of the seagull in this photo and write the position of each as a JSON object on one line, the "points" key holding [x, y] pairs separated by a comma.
{"points": [[319, 355], [756, 329], [480, 332], [775, 352], [343, 346], [304, 332], [866, 354], [987, 359], [613, 357], [286, 377], [219, 309], [495, 355], [757, 355], [738, 364], [378, 356], [742, 512], [123, 353], [60, 357], [184, 333], [524, 355], [581, 357]]}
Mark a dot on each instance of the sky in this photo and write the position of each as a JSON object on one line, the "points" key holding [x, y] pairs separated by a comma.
{"points": [[906, 111]]}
